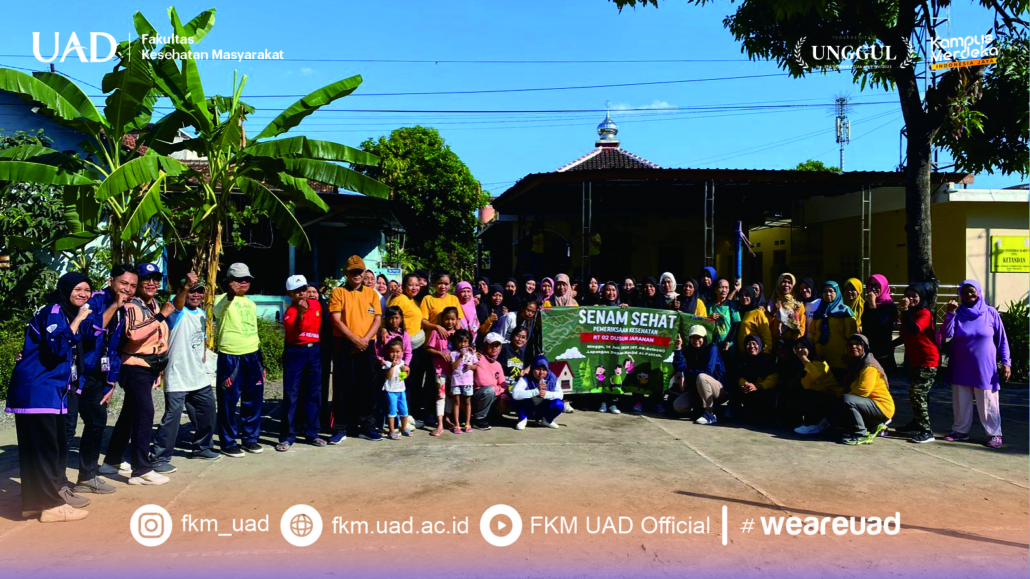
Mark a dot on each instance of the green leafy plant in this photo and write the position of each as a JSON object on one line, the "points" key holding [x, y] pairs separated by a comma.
{"points": [[434, 196], [1016, 317], [12, 337], [272, 337]]}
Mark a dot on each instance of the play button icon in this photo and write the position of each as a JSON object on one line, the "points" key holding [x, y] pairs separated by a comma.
{"points": [[494, 518]]}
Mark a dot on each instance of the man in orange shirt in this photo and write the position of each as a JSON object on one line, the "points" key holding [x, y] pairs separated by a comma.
{"points": [[356, 312]]}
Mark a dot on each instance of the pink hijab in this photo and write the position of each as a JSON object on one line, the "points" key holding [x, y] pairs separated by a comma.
{"points": [[884, 297], [468, 307]]}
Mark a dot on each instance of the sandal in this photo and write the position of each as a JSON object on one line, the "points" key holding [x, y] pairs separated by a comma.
{"points": [[319, 442], [394, 436], [406, 433], [436, 433], [282, 447], [468, 428], [456, 430]]}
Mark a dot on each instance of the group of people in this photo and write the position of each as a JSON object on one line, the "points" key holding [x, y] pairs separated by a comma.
{"points": [[423, 355]]}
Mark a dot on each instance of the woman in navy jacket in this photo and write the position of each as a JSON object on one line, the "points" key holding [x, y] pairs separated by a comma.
{"points": [[50, 364]]}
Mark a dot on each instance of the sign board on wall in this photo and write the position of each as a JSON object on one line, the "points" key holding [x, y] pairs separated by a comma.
{"points": [[1010, 254]]}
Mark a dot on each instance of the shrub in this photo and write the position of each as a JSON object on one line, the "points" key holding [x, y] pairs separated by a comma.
{"points": [[272, 336], [12, 336], [1016, 318]]}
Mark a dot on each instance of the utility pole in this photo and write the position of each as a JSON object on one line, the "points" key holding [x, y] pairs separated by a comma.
{"points": [[843, 127]]}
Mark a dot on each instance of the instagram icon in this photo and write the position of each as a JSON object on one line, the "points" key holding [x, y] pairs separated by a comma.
{"points": [[150, 525]]}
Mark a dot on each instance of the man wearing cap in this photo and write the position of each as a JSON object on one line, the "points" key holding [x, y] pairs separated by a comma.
{"points": [[187, 383], [357, 314], [144, 357], [489, 381], [241, 375], [302, 363]]}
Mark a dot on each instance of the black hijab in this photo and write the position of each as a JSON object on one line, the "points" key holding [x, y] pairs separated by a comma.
{"points": [[689, 305], [587, 298], [63, 292], [488, 300], [759, 300], [618, 295], [746, 291], [755, 367], [921, 292], [523, 295], [811, 284], [632, 295], [656, 301], [61, 296], [511, 300]]}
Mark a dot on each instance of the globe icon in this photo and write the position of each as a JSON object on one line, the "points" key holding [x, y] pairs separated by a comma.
{"points": [[301, 525]]}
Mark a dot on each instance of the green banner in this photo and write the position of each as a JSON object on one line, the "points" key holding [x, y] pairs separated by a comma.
{"points": [[614, 350]]}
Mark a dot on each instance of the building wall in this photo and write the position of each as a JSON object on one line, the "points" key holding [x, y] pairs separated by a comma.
{"points": [[767, 245], [984, 220]]}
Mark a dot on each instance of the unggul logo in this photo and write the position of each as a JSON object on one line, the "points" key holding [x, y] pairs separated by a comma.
{"points": [[73, 45], [868, 55]]}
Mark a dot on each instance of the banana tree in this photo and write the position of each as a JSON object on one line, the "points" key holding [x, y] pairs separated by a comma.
{"points": [[272, 175], [113, 191]]}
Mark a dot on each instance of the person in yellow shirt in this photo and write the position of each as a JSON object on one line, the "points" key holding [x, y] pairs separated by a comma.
{"points": [[854, 299], [832, 324], [816, 392], [786, 313], [868, 405], [434, 304], [689, 300], [356, 311], [752, 321]]}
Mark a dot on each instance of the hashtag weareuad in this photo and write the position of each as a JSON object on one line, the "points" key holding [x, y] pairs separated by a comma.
{"points": [[838, 525]]}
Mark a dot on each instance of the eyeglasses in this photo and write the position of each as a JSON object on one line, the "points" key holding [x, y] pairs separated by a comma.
{"points": [[244, 281], [197, 291]]}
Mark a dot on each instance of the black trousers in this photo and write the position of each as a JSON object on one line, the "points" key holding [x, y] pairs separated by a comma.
{"points": [[356, 393], [94, 420], [136, 421], [415, 386], [42, 453]]}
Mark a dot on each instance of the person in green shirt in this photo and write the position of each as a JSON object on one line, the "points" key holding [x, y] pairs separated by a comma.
{"points": [[241, 374]]}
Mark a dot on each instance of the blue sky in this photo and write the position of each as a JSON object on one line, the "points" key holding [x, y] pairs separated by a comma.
{"points": [[501, 148]]}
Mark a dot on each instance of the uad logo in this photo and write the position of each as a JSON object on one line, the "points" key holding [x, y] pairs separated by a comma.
{"points": [[73, 45]]}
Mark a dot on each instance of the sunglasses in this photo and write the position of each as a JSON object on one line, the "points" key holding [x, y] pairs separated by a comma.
{"points": [[241, 281], [199, 290], [153, 278]]}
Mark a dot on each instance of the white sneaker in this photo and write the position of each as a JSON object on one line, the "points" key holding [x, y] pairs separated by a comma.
{"points": [[552, 424], [124, 469], [568, 408], [151, 478], [61, 514], [614, 409], [521, 424]]}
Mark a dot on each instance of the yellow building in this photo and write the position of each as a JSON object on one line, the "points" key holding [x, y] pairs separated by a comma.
{"points": [[823, 239]]}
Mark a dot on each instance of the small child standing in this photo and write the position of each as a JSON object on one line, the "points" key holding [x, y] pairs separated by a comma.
{"points": [[464, 363], [393, 384], [437, 346]]}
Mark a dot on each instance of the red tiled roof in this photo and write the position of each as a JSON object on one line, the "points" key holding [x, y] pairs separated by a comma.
{"points": [[608, 158]]}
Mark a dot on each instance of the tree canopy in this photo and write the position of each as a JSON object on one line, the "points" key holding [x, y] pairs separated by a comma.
{"points": [[434, 196], [814, 165]]}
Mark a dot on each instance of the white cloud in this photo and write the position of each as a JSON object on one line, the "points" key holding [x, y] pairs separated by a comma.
{"points": [[570, 354], [306, 71], [627, 109]]}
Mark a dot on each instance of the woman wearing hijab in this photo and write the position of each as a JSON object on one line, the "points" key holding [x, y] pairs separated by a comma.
{"points": [[630, 292], [562, 297], [727, 319], [706, 283], [49, 366], [538, 396], [511, 295], [528, 291], [758, 292], [483, 284], [690, 301], [610, 296], [816, 393], [591, 293], [806, 293], [757, 377], [832, 324], [667, 289], [752, 321], [470, 320], [546, 290], [877, 320], [787, 319], [868, 405], [649, 296], [920, 339], [852, 297], [978, 346], [700, 376]]}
